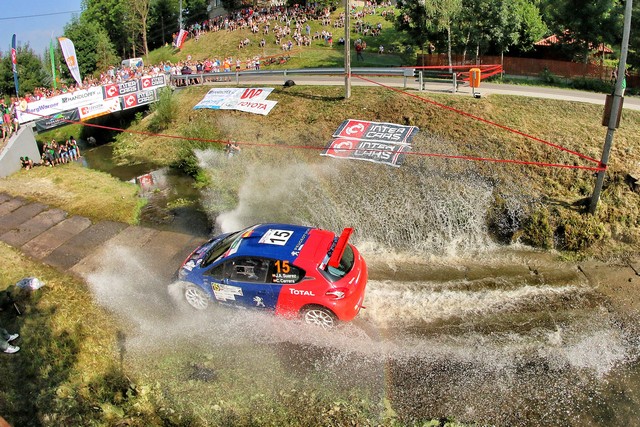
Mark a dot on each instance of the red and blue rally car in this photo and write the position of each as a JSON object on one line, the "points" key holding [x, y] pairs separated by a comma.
{"points": [[292, 270]]}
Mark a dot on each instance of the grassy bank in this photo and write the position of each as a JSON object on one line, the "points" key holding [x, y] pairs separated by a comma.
{"points": [[77, 190], [305, 117]]}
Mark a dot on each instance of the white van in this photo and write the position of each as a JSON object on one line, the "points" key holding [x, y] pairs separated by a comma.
{"points": [[133, 62]]}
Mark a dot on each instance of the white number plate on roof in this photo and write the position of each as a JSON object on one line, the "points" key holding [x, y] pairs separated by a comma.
{"points": [[276, 237]]}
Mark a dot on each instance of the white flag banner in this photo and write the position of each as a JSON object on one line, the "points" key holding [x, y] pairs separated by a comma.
{"points": [[69, 52]]}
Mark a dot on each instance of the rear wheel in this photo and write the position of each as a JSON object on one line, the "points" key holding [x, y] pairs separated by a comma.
{"points": [[196, 297], [319, 316]]}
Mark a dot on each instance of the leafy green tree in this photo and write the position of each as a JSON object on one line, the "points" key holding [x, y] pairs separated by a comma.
{"points": [[500, 24], [163, 21], [582, 26], [413, 19], [92, 44], [634, 39], [31, 72], [444, 13], [195, 11], [139, 16], [110, 16]]}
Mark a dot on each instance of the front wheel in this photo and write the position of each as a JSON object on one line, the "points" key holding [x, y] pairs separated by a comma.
{"points": [[319, 316], [196, 297]]}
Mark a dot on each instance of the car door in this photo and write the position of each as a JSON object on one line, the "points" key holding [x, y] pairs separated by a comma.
{"points": [[248, 283]]}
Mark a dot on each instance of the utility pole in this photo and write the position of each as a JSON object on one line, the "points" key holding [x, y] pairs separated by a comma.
{"points": [[347, 49], [615, 107]]}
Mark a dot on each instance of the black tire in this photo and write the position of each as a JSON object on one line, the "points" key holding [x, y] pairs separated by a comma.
{"points": [[319, 316]]}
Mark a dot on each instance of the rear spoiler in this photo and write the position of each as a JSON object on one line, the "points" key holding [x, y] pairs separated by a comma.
{"points": [[338, 247]]}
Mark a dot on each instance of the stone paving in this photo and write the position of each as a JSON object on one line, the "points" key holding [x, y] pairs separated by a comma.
{"points": [[74, 244]]}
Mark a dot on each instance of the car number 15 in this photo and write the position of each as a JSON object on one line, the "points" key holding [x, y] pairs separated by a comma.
{"points": [[276, 237]]}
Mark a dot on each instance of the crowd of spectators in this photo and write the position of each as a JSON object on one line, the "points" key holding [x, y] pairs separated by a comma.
{"points": [[54, 154], [290, 26]]}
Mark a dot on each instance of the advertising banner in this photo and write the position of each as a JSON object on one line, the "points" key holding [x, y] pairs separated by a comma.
{"points": [[100, 109], [251, 100], [58, 119], [151, 82], [80, 97], [255, 107], [14, 63], [138, 98], [119, 89], [376, 131], [391, 154], [385, 143]]}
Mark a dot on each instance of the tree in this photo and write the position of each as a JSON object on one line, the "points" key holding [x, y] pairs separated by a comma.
{"points": [[634, 40], [140, 9], [501, 24], [31, 72], [92, 44], [413, 19], [110, 16], [163, 21], [443, 14], [582, 26]]}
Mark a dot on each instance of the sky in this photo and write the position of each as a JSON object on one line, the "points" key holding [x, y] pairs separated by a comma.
{"points": [[22, 21]]}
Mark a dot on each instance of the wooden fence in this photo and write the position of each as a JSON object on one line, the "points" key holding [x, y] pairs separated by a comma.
{"points": [[533, 67]]}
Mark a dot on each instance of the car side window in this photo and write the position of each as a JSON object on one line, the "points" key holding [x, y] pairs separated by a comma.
{"points": [[217, 272], [248, 269]]}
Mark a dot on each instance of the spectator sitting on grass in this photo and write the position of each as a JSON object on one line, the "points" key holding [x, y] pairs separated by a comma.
{"points": [[26, 163]]}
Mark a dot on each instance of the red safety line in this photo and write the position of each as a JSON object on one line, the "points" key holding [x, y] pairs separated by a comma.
{"points": [[464, 113], [309, 147]]}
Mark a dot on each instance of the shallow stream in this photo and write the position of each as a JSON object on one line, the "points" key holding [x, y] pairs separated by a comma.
{"points": [[455, 325]]}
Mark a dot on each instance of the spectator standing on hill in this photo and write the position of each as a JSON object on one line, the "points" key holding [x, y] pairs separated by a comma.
{"points": [[359, 56]]}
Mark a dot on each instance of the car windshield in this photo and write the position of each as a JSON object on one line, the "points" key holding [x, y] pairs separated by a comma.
{"points": [[346, 263], [220, 248]]}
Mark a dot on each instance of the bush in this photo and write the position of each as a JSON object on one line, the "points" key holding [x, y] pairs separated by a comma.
{"points": [[592, 85], [537, 230], [548, 77], [576, 232], [164, 111]]}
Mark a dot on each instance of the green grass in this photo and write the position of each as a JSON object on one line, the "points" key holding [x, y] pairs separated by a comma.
{"points": [[224, 44], [79, 191]]}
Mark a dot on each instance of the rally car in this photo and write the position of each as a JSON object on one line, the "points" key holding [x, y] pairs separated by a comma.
{"points": [[291, 270]]}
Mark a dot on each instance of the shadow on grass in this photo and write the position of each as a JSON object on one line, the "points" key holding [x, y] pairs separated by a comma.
{"points": [[32, 376]]}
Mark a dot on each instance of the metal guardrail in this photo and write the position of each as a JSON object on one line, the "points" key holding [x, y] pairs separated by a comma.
{"points": [[201, 78]]}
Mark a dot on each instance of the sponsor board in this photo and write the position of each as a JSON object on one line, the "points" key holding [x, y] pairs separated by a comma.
{"points": [[138, 98], [100, 109], [86, 97], [255, 107], [80, 97], [119, 89], [251, 100], [150, 82], [391, 154], [55, 120], [376, 131]]}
